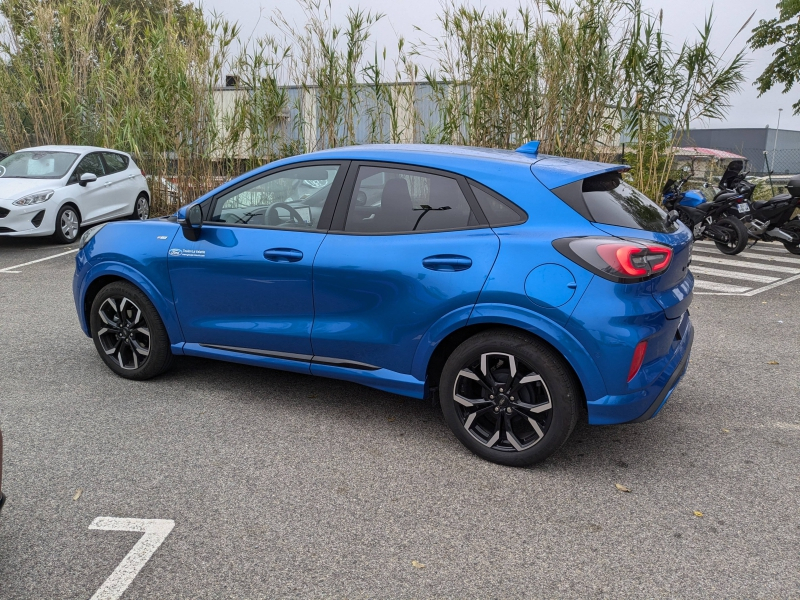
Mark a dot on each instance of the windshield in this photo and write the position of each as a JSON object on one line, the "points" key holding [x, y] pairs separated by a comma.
{"points": [[37, 165]]}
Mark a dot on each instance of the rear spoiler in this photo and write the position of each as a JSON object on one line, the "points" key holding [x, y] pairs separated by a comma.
{"points": [[555, 171]]}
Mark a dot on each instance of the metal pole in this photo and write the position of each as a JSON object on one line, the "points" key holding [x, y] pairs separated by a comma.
{"points": [[769, 173], [775, 142]]}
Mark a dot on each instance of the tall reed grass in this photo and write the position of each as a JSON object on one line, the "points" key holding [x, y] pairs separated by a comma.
{"points": [[578, 76]]}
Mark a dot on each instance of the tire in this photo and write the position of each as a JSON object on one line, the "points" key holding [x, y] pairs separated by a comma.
{"points": [[540, 413], [794, 227], [739, 236], [141, 209], [128, 332], [68, 224]]}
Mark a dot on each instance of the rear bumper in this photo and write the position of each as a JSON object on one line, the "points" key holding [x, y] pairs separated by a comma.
{"points": [[646, 403]]}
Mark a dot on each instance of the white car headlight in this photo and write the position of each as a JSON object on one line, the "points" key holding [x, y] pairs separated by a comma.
{"points": [[90, 233], [36, 198]]}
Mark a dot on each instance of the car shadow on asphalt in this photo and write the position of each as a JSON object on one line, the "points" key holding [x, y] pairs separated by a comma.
{"points": [[589, 447]]}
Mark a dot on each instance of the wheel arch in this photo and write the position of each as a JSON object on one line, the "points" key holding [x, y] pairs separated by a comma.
{"points": [[106, 273], [509, 318], [72, 204]]}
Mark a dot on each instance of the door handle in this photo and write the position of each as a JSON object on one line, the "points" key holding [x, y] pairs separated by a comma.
{"points": [[283, 255], [447, 262]]}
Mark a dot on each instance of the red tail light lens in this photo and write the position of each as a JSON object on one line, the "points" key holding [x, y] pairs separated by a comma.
{"points": [[638, 358], [623, 261], [633, 260]]}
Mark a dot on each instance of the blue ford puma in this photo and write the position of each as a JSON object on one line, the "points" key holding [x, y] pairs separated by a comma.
{"points": [[521, 289]]}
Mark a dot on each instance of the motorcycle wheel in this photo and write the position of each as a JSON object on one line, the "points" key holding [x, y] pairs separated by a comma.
{"points": [[738, 236], [794, 227]]}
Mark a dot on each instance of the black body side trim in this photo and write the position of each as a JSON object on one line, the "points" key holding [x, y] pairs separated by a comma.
{"points": [[341, 362], [267, 353], [320, 360]]}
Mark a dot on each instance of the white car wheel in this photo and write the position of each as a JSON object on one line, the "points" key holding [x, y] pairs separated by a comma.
{"points": [[68, 224], [141, 210]]}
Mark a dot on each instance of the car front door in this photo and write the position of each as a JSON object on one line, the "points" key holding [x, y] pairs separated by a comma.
{"points": [[93, 197], [412, 246], [245, 285]]}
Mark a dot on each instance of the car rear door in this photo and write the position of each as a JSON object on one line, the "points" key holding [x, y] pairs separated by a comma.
{"points": [[119, 182], [407, 247]]}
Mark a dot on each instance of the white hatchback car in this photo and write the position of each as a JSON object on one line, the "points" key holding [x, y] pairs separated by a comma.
{"points": [[56, 190]]}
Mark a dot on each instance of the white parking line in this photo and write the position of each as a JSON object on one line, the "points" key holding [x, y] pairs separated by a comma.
{"points": [[155, 531], [720, 287], [744, 264], [33, 262], [733, 274]]}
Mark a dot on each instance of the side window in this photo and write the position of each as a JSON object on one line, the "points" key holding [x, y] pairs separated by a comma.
{"points": [[499, 212], [90, 163], [292, 198], [115, 162], [387, 200]]}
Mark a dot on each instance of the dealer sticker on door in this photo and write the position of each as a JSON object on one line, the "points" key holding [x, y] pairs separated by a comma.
{"points": [[187, 252]]}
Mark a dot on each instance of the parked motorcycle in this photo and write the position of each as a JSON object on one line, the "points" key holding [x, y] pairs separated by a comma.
{"points": [[717, 220], [770, 220]]}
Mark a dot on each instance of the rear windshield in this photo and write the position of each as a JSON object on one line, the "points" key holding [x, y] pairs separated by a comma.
{"points": [[609, 200]]}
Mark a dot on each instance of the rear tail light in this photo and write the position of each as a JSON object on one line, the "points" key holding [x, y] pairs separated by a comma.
{"points": [[622, 261], [142, 170], [638, 358]]}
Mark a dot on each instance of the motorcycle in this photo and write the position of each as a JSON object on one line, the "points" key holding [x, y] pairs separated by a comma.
{"points": [[769, 220], [717, 220]]}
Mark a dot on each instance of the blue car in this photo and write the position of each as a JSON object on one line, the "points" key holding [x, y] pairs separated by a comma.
{"points": [[523, 291]]}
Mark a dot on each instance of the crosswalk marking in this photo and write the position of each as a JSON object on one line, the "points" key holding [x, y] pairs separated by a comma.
{"points": [[720, 287], [733, 274], [782, 259], [742, 264], [756, 270], [760, 247]]}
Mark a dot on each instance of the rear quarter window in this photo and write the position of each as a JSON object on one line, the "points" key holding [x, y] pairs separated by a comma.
{"points": [[609, 200]]}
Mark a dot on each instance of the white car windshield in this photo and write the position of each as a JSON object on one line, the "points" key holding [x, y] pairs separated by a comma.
{"points": [[37, 165]]}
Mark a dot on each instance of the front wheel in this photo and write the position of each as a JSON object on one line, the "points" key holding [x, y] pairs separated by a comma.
{"points": [[737, 236], [68, 224], [509, 398], [141, 209], [128, 332]]}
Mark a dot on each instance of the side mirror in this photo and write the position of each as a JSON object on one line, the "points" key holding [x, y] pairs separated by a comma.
{"points": [[192, 223], [87, 178], [361, 199]]}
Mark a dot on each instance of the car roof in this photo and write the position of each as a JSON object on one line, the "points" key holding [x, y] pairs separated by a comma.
{"points": [[552, 171], [65, 148]]}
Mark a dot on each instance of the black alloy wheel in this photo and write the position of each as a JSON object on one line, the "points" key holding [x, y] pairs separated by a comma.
{"points": [[737, 236], [128, 333], [509, 398]]}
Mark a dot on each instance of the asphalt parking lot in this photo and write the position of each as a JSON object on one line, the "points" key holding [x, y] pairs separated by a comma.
{"points": [[282, 485]]}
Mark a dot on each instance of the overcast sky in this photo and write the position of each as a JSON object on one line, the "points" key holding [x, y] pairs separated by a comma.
{"points": [[681, 17]]}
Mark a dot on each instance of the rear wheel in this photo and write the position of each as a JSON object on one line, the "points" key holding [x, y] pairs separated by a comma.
{"points": [[509, 398], [141, 209], [128, 332], [68, 224], [794, 227], [737, 235]]}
